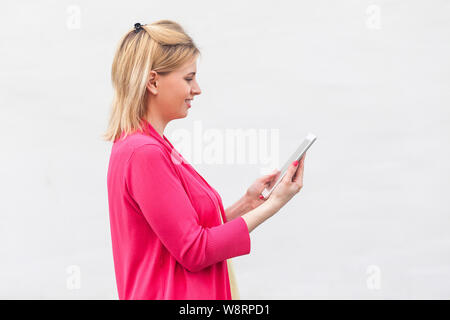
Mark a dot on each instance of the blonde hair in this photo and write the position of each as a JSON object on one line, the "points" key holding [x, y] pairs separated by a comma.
{"points": [[162, 46]]}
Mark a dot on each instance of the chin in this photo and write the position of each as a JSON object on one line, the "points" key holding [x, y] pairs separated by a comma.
{"points": [[181, 116]]}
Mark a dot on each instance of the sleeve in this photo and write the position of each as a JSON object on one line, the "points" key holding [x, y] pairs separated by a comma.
{"points": [[155, 186]]}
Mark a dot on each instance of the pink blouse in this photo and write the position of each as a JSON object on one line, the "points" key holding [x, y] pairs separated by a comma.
{"points": [[167, 237]]}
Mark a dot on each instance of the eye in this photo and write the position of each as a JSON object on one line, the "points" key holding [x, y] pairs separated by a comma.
{"points": [[189, 80]]}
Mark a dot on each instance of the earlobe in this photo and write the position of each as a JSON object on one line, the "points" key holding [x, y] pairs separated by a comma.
{"points": [[151, 86], [152, 83]]}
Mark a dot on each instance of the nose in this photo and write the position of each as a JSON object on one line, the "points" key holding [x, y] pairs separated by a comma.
{"points": [[196, 90]]}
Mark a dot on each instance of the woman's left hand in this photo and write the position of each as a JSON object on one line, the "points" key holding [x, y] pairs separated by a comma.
{"points": [[253, 195]]}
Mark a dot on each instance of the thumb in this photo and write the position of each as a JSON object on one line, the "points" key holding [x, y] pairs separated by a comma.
{"points": [[291, 171], [272, 176], [269, 176]]}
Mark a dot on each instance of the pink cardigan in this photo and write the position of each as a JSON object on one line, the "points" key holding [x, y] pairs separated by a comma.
{"points": [[167, 238]]}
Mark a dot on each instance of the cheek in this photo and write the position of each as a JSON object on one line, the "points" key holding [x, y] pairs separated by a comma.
{"points": [[187, 88], [178, 92], [184, 91]]}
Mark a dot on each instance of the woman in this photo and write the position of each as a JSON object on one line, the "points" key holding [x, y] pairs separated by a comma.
{"points": [[171, 236]]}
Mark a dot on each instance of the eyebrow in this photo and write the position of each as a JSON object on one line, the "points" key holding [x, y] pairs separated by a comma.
{"points": [[193, 73]]}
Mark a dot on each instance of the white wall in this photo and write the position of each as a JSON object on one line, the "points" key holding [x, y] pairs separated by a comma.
{"points": [[370, 78]]}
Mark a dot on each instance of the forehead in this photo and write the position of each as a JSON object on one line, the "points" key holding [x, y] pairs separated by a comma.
{"points": [[190, 66]]}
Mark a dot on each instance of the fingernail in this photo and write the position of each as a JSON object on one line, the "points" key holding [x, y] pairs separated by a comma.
{"points": [[295, 163], [261, 197]]}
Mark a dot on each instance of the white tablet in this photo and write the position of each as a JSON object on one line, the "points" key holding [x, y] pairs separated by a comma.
{"points": [[297, 155]]}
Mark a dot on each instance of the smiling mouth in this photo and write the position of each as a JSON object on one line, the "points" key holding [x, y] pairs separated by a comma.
{"points": [[188, 103]]}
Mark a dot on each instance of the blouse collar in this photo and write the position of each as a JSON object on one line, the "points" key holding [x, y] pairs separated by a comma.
{"points": [[149, 129]]}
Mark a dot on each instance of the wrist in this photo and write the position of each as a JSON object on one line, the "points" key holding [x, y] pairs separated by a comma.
{"points": [[274, 204], [249, 203]]}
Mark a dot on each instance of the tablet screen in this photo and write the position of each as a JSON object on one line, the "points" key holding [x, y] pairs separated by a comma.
{"points": [[304, 146]]}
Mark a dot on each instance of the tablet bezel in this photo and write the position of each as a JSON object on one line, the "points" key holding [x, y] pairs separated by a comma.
{"points": [[304, 146]]}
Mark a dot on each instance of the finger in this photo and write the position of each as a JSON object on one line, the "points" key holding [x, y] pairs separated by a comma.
{"points": [[273, 180], [298, 177], [270, 174], [270, 177], [274, 173], [290, 172]]}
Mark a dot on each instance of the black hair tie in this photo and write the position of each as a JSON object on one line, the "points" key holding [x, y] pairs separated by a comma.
{"points": [[138, 27]]}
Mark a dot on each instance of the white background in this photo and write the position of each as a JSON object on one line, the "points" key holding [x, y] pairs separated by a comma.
{"points": [[370, 78]]}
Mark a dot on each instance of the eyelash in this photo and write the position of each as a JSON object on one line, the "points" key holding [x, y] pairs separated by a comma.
{"points": [[189, 80]]}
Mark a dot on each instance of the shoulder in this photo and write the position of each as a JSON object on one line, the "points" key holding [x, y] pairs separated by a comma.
{"points": [[134, 142], [149, 163], [137, 147], [150, 156], [147, 151]]}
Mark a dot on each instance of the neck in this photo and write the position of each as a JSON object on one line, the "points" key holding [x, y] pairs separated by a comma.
{"points": [[157, 123]]}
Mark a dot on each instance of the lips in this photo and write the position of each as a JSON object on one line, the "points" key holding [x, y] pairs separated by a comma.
{"points": [[188, 102]]}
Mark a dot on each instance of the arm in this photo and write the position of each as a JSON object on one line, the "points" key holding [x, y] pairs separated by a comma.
{"points": [[253, 213], [240, 207], [251, 200], [154, 185], [260, 214]]}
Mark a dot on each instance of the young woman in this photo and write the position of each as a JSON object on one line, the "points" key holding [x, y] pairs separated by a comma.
{"points": [[171, 237]]}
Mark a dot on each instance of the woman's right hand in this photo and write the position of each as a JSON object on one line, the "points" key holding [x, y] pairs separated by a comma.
{"points": [[289, 186]]}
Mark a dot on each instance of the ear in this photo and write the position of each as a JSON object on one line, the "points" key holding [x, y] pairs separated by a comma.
{"points": [[152, 84]]}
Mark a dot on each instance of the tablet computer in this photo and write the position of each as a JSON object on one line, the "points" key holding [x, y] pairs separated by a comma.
{"points": [[297, 155]]}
